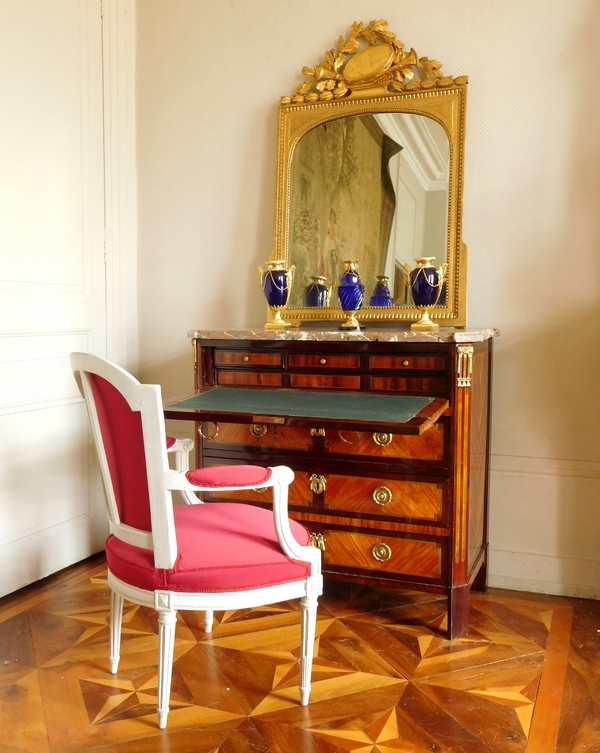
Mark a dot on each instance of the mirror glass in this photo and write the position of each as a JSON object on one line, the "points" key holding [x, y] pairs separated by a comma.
{"points": [[371, 188]]}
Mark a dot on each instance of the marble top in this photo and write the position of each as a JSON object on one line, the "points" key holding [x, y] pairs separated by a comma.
{"points": [[443, 335]]}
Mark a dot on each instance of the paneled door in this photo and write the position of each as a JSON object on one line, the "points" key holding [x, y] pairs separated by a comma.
{"points": [[52, 281]]}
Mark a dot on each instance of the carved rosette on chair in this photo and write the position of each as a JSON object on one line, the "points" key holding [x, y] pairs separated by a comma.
{"points": [[351, 293], [276, 284], [425, 283]]}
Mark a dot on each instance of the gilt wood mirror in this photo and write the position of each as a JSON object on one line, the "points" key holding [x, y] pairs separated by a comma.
{"points": [[370, 169]]}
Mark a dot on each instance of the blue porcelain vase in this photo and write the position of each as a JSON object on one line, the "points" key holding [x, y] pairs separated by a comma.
{"points": [[316, 293], [276, 284], [381, 294], [351, 293], [425, 283]]}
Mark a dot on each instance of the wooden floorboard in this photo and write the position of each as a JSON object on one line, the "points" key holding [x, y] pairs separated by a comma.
{"points": [[525, 678]]}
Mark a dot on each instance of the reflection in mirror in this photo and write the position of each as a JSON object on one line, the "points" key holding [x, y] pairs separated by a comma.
{"points": [[371, 188]]}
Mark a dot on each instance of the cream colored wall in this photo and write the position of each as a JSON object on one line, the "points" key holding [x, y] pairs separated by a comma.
{"points": [[209, 78]]}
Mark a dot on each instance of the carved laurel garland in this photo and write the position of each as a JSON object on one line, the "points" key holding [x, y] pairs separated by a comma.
{"points": [[397, 73]]}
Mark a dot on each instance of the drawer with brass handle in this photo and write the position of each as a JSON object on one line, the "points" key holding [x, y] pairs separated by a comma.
{"points": [[261, 435], [247, 358], [419, 500], [299, 494], [371, 551], [431, 445]]}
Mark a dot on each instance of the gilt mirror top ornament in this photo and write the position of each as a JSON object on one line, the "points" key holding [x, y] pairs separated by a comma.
{"points": [[370, 167], [383, 66]]}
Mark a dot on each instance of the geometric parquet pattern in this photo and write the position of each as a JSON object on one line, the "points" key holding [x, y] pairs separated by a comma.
{"points": [[385, 679]]}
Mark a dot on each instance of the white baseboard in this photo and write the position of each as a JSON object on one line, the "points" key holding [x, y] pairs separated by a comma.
{"points": [[29, 558]]}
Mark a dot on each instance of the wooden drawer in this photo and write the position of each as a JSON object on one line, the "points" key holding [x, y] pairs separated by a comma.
{"points": [[383, 553], [299, 492], [427, 446], [426, 385], [257, 435], [407, 363], [247, 358], [405, 499], [323, 361], [325, 381], [249, 378]]}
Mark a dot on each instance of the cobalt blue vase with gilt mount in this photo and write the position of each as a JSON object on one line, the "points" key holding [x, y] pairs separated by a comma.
{"points": [[381, 294], [276, 283], [316, 293], [425, 283], [351, 293]]}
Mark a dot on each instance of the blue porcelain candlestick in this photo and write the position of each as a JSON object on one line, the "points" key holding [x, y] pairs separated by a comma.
{"points": [[351, 293], [276, 283], [425, 283]]}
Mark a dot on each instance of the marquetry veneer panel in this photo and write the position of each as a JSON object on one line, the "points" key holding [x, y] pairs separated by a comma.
{"points": [[409, 384], [325, 381], [323, 361], [408, 556]]}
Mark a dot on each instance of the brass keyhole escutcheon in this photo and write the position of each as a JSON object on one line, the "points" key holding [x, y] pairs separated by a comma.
{"points": [[382, 496], [381, 552], [318, 541], [317, 432], [383, 440], [318, 484], [258, 430], [207, 436]]}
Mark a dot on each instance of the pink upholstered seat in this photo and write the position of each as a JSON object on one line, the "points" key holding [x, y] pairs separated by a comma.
{"points": [[220, 555], [221, 547]]}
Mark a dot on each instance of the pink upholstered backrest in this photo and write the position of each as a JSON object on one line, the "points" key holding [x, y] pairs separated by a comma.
{"points": [[123, 441]]}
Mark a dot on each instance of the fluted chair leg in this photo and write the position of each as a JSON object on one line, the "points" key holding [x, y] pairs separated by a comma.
{"points": [[308, 607], [166, 644], [116, 618], [208, 620]]}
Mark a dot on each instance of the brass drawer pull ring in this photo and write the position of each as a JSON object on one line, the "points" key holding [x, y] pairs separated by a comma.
{"points": [[318, 541], [383, 440], [211, 436], [318, 484], [382, 496], [381, 552], [258, 430]]}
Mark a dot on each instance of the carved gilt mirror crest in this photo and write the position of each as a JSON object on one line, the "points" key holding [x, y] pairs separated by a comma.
{"points": [[370, 169]]}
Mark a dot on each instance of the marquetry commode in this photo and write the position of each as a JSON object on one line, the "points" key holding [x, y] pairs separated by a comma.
{"points": [[388, 508]]}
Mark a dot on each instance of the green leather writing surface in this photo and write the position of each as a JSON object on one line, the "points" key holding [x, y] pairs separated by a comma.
{"points": [[305, 404]]}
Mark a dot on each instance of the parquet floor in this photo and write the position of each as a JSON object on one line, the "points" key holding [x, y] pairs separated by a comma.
{"points": [[385, 679]]}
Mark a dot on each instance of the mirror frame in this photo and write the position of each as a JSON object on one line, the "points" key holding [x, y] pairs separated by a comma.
{"points": [[353, 81]]}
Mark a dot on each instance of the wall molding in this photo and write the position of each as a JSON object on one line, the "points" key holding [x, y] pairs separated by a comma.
{"points": [[119, 66]]}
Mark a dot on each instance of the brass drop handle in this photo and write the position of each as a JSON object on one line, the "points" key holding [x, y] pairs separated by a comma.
{"points": [[206, 436], [258, 430], [318, 484], [261, 489], [381, 439], [381, 552], [348, 441], [382, 496], [318, 541]]}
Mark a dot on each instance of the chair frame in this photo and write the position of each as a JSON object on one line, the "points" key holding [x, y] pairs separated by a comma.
{"points": [[162, 481]]}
